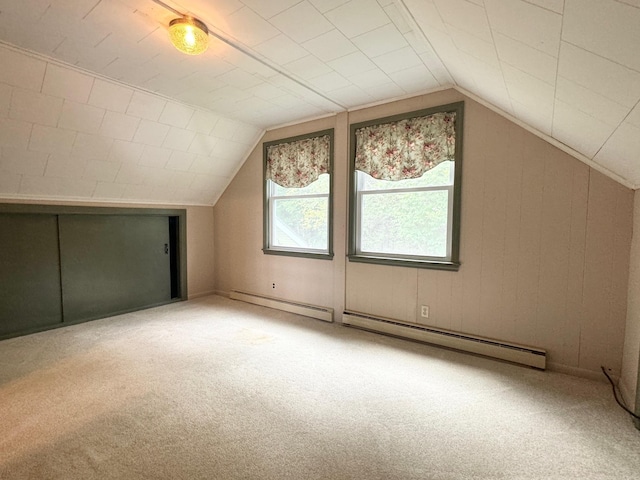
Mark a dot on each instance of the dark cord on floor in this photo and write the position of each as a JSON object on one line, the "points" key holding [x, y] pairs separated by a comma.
{"points": [[615, 395]]}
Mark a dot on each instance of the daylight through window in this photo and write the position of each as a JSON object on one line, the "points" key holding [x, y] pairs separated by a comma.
{"points": [[298, 195], [405, 193]]}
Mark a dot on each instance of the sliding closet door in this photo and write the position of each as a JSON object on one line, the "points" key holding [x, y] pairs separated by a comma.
{"points": [[29, 273], [113, 264]]}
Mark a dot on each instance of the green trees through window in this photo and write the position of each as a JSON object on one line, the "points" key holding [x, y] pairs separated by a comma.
{"points": [[396, 219], [300, 215], [406, 217], [297, 217]]}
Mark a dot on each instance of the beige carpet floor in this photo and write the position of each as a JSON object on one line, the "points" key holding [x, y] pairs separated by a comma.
{"points": [[218, 389]]}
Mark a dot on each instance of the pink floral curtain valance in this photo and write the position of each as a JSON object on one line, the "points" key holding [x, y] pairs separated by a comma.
{"points": [[298, 164], [406, 148]]}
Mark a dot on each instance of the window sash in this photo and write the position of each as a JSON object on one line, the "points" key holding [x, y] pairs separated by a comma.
{"points": [[321, 163], [454, 191], [449, 235], [272, 212]]}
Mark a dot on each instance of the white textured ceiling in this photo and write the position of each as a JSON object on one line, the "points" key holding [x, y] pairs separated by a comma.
{"points": [[569, 69]]}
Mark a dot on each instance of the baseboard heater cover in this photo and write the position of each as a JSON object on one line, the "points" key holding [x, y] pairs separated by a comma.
{"points": [[524, 355], [304, 309]]}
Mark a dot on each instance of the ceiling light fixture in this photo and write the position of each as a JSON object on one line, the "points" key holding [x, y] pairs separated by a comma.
{"points": [[189, 35]]}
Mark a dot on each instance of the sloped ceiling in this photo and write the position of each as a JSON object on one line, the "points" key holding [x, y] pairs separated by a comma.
{"points": [[96, 104]]}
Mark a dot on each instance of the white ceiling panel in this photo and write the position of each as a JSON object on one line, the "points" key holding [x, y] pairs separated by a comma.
{"points": [[574, 127], [352, 64], [530, 60], [530, 24], [330, 45], [67, 84], [467, 43], [381, 40], [324, 6], [605, 27], [98, 96], [308, 67], [553, 5], [399, 60], [301, 22], [540, 118], [249, 27], [620, 152], [610, 79], [634, 116], [356, 17], [281, 49], [425, 14], [465, 16], [270, 8], [590, 102]]}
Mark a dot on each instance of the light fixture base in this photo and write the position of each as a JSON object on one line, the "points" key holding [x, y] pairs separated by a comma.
{"points": [[189, 35]]}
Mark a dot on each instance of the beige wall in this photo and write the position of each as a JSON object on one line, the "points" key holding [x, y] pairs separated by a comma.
{"points": [[200, 256], [544, 251], [200, 251], [240, 263], [631, 354]]}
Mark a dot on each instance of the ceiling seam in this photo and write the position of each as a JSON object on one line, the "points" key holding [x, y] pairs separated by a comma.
{"points": [[168, 7], [543, 8], [495, 48], [617, 127], [426, 39], [549, 139], [215, 32], [60, 63], [627, 4], [555, 83], [92, 9], [462, 60], [601, 56]]}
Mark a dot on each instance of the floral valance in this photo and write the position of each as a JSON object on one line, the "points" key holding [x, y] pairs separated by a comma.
{"points": [[406, 148], [300, 163]]}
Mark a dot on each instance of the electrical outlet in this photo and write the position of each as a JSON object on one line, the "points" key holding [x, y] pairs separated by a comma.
{"points": [[424, 312], [273, 285]]}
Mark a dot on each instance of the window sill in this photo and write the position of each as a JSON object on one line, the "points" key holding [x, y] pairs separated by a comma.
{"points": [[406, 262], [294, 253]]}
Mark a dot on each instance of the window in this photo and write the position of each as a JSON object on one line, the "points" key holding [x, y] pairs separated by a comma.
{"points": [[405, 189], [298, 196]]}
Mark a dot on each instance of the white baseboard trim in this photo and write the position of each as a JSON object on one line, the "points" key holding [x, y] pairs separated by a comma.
{"points": [[201, 294], [511, 352], [223, 293], [577, 372], [307, 310]]}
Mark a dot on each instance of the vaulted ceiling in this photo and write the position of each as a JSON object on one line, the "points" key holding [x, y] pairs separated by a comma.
{"points": [[149, 123]]}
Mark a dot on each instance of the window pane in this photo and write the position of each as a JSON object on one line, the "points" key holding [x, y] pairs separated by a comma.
{"points": [[300, 223], [321, 185], [440, 175], [413, 223]]}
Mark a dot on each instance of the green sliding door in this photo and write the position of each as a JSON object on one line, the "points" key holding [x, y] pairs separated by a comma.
{"points": [[113, 264], [29, 273]]}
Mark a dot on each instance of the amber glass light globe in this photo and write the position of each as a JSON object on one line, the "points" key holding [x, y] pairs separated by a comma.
{"points": [[189, 35]]}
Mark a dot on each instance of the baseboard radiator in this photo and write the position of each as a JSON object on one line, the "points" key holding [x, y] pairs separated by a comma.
{"points": [[313, 311], [533, 357]]}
